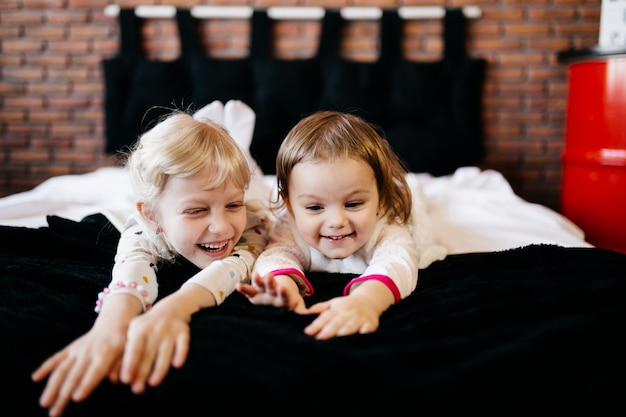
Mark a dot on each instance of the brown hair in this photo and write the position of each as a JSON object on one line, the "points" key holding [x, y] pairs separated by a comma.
{"points": [[331, 136]]}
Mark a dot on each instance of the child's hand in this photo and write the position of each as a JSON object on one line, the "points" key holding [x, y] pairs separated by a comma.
{"points": [[278, 291], [157, 339], [77, 369], [342, 316], [358, 312], [160, 337]]}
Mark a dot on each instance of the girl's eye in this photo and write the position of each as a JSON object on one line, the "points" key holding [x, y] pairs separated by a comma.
{"points": [[354, 204], [234, 206], [194, 211], [314, 208]]}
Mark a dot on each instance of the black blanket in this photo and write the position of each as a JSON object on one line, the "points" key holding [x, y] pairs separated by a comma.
{"points": [[534, 331]]}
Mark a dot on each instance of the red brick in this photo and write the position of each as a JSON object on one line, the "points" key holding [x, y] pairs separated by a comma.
{"points": [[52, 83]]}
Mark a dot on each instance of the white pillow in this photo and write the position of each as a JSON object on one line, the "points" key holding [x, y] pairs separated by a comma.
{"points": [[238, 119], [213, 111]]}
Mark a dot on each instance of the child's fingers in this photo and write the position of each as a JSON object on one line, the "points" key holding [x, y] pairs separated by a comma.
{"points": [[261, 282], [133, 355], [168, 354], [97, 369], [48, 366], [318, 308], [247, 290], [182, 349], [50, 394], [317, 325], [62, 385], [157, 369], [114, 372], [143, 369]]}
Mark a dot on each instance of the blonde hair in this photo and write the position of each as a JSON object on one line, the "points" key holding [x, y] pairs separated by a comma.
{"points": [[332, 136], [181, 146]]}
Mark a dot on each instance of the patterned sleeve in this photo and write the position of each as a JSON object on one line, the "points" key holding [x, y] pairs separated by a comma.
{"points": [[135, 268]]}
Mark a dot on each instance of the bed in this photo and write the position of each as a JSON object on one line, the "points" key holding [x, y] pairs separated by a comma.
{"points": [[522, 317]]}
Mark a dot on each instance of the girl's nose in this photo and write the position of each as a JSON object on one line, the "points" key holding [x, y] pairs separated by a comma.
{"points": [[217, 223], [336, 217], [214, 227]]}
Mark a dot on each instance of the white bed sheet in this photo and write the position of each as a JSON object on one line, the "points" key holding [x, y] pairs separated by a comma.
{"points": [[471, 210]]}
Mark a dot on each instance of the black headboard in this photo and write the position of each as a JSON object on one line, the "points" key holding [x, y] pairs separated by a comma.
{"points": [[431, 112]]}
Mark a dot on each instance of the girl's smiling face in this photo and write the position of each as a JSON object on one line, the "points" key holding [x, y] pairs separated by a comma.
{"points": [[334, 205], [203, 225]]}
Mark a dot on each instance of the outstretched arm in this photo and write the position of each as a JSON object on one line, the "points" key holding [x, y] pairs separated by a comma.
{"points": [[160, 337], [76, 370]]}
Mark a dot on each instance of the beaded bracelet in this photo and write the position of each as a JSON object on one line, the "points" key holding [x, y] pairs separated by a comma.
{"points": [[119, 285]]}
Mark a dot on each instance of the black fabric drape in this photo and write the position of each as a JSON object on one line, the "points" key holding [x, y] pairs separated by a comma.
{"points": [[138, 90], [350, 86], [430, 112], [212, 78], [433, 111], [285, 91]]}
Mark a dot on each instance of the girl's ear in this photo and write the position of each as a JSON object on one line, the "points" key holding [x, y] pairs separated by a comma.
{"points": [[146, 214], [286, 201]]}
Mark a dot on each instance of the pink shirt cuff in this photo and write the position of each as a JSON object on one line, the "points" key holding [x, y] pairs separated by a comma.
{"points": [[382, 278], [308, 290]]}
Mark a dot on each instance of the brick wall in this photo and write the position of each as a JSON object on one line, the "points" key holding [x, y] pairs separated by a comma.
{"points": [[51, 85]]}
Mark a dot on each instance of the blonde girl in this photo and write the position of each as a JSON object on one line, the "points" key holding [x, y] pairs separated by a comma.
{"points": [[189, 177]]}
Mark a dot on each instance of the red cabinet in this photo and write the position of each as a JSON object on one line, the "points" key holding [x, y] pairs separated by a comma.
{"points": [[594, 158]]}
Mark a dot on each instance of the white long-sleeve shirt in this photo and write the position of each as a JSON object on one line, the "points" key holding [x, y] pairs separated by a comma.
{"points": [[390, 256]]}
